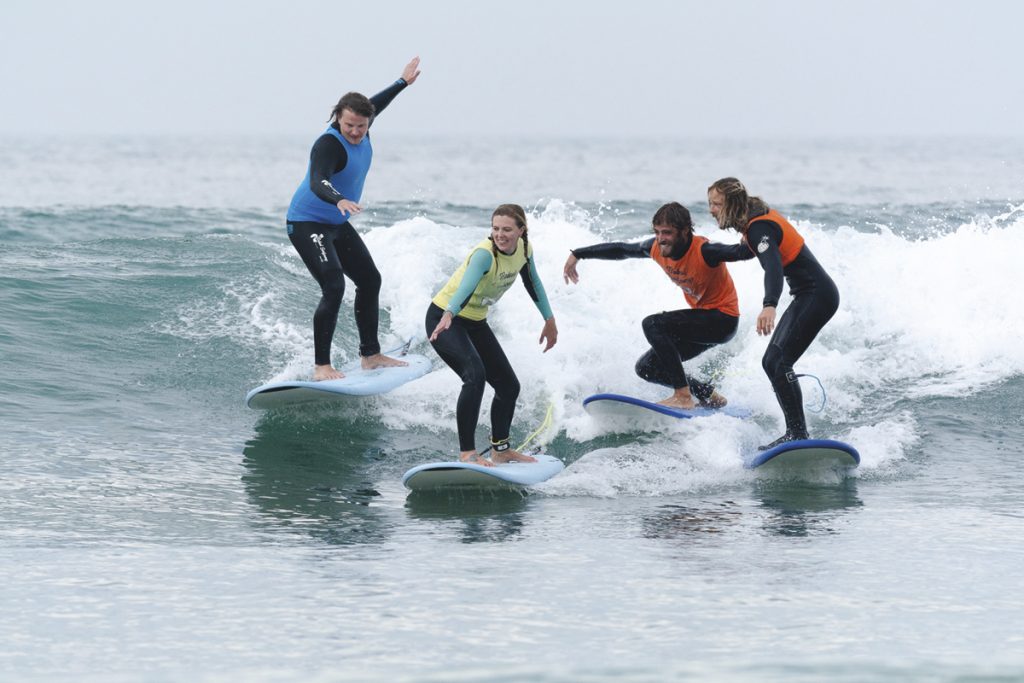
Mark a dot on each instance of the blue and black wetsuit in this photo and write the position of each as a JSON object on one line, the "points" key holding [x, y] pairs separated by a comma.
{"points": [[328, 244]]}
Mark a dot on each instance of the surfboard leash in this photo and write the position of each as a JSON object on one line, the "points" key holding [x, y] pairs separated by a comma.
{"points": [[824, 396], [543, 427]]}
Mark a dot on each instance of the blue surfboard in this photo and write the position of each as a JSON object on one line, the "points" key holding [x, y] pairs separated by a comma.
{"points": [[441, 476], [807, 453], [356, 382], [619, 406]]}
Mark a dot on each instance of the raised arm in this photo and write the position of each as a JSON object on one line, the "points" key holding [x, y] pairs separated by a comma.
{"points": [[382, 99]]}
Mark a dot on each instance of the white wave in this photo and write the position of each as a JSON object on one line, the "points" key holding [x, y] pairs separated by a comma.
{"points": [[918, 318]]}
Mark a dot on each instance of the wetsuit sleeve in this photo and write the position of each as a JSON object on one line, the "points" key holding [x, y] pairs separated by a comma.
{"points": [[536, 289], [382, 99], [615, 251], [327, 158], [715, 253], [479, 263], [765, 238]]}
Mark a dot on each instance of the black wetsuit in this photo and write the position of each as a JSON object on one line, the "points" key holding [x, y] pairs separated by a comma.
{"points": [[815, 301], [470, 348], [676, 336], [339, 250]]}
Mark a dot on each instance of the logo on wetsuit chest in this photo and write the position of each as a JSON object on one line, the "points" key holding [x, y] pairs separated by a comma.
{"points": [[318, 240], [505, 280]]}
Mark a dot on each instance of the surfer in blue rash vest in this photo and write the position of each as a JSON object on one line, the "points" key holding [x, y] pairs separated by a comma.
{"points": [[319, 227], [782, 254], [456, 323]]}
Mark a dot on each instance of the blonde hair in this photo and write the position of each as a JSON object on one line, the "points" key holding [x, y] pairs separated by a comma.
{"points": [[739, 207]]}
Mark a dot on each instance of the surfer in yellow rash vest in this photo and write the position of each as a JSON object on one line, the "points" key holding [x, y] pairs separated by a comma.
{"points": [[456, 324]]}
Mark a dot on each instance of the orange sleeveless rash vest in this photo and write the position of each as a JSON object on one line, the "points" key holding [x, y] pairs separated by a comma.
{"points": [[792, 242], [704, 287]]}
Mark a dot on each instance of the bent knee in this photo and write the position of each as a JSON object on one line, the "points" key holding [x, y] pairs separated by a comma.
{"points": [[511, 389], [774, 363], [651, 324], [644, 368], [369, 281], [332, 284], [474, 377]]}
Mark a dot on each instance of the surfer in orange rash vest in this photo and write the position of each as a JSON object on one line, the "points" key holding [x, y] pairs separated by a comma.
{"points": [[783, 255], [695, 265]]}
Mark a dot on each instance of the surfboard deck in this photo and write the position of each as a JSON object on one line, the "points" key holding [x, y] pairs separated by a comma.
{"points": [[806, 454], [441, 476], [356, 382], [629, 407]]}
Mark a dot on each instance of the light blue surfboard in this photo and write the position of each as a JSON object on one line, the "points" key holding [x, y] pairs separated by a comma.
{"points": [[356, 382], [806, 454], [618, 406], [440, 476]]}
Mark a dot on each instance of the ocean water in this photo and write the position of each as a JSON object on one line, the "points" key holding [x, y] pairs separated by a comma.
{"points": [[153, 528]]}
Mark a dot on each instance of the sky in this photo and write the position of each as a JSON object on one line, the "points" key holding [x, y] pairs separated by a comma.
{"points": [[527, 68]]}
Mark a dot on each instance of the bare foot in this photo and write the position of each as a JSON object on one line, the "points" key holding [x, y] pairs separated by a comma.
{"points": [[511, 456], [716, 400], [379, 360], [675, 401], [322, 372], [475, 458]]}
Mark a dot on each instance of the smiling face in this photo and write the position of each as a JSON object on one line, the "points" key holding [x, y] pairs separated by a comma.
{"points": [[506, 233], [353, 126], [667, 238]]}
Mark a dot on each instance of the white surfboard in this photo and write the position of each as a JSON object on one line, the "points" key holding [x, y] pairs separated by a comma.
{"points": [[625, 408], [440, 476], [356, 382], [806, 454]]}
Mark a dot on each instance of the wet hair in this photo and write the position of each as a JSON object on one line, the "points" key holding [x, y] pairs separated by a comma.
{"points": [[739, 207], [674, 215], [354, 102], [516, 213]]}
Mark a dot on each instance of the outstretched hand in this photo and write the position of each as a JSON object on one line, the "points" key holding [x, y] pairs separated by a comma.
{"points": [[549, 333], [569, 271], [411, 71]]}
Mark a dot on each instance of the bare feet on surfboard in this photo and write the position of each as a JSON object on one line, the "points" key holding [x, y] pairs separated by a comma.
{"points": [[475, 458], [379, 360], [325, 372], [510, 455]]}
